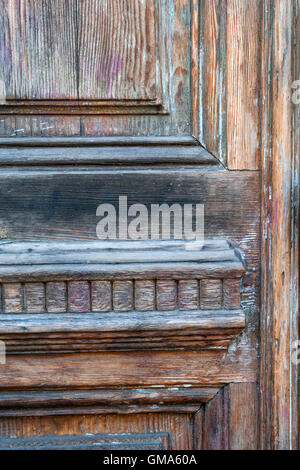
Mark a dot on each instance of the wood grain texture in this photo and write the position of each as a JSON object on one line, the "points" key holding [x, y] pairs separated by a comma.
{"points": [[230, 419], [123, 296], [178, 426], [199, 330], [70, 400], [12, 298], [79, 50], [243, 416], [39, 47], [213, 113], [211, 294], [215, 423], [144, 295], [242, 84], [34, 296], [117, 49], [230, 61], [231, 293], [78, 297], [101, 296], [166, 295], [56, 297], [231, 210], [188, 295], [278, 321]]}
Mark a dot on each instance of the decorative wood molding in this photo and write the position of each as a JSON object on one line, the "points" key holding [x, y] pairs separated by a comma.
{"points": [[93, 152], [279, 313], [118, 260], [62, 333], [164, 295], [130, 441], [51, 403]]}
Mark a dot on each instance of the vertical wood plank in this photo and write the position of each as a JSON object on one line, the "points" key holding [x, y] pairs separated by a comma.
{"points": [[166, 295], [101, 295], [215, 429], [198, 429], [242, 84], [231, 293], [78, 297], [278, 374], [188, 295], [123, 296], [211, 294], [12, 298], [243, 417], [56, 297], [144, 296], [212, 133], [34, 296]]}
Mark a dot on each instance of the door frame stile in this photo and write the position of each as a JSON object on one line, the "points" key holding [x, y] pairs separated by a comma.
{"points": [[279, 310]]}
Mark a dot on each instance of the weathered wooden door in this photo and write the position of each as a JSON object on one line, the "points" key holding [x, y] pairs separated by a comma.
{"points": [[146, 344]]}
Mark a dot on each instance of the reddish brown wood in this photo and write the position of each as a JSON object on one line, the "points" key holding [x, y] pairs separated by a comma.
{"points": [[232, 293]]}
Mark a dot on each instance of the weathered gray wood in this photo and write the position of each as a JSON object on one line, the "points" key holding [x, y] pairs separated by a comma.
{"points": [[123, 296], [56, 297], [117, 141], [94, 152], [78, 297], [211, 294], [101, 296], [82, 50], [12, 298], [166, 295], [188, 295], [144, 295], [34, 297]]}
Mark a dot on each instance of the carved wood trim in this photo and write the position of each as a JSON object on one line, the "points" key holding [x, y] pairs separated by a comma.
{"points": [[123, 401], [62, 333], [78, 304]]}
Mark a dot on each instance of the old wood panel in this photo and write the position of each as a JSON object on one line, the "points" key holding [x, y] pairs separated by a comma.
{"points": [[231, 211], [78, 50]]}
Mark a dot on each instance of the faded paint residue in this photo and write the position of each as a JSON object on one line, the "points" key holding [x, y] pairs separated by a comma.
{"points": [[109, 70]]}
